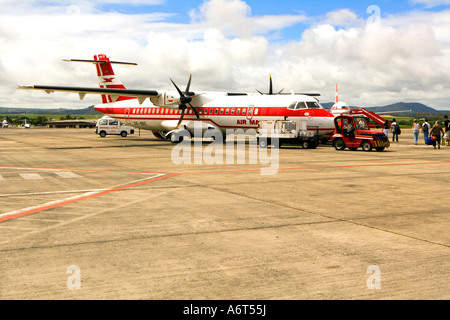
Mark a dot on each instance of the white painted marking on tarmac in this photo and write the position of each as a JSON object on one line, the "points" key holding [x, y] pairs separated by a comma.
{"points": [[48, 204], [74, 198], [67, 174], [31, 176], [2, 179], [49, 192]]}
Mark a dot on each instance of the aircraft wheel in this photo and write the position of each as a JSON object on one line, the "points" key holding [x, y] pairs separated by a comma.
{"points": [[174, 139], [339, 144], [366, 146]]}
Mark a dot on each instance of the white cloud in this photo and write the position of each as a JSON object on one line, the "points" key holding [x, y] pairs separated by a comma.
{"points": [[402, 58]]}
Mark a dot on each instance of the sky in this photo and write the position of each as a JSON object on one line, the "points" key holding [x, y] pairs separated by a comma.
{"points": [[378, 52]]}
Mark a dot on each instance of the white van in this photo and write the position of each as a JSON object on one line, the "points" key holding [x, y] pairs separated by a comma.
{"points": [[107, 125]]}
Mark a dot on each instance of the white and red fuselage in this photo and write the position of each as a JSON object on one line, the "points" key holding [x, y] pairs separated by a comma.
{"points": [[223, 113], [159, 111]]}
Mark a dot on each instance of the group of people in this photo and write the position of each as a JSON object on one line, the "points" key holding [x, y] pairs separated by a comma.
{"points": [[434, 133], [429, 132]]}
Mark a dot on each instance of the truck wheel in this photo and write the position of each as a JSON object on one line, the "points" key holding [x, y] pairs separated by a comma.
{"points": [[102, 134], [123, 134], [339, 144], [366, 146], [262, 142], [305, 145], [276, 144]]}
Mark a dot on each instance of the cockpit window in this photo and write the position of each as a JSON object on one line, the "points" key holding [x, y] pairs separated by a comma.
{"points": [[313, 105], [300, 105], [296, 105]]}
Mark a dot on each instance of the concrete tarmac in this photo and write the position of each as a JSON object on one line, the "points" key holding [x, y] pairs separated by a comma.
{"points": [[84, 217]]}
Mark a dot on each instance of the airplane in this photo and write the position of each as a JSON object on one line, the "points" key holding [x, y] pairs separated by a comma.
{"points": [[168, 112], [338, 107]]}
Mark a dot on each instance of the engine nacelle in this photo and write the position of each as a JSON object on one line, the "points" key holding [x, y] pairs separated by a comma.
{"points": [[168, 99]]}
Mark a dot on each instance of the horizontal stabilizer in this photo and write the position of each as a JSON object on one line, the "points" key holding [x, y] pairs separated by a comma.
{"points": [[100, 61]]}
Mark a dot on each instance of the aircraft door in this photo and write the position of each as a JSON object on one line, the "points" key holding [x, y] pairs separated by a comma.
{"points": [[127, 116]]}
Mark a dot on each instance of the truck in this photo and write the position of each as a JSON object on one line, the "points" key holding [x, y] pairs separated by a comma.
{"points": [[278, 132], [353, 131], [107, 125]]}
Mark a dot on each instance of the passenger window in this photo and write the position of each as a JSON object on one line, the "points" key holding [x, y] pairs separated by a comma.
{"points": [[232, 111], [256, 111], [238, 111], [216, 111], [243, 111], [210, 111], [221, 111], [227, 111], [250, 111]]}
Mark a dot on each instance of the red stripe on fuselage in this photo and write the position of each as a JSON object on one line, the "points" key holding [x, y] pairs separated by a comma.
{"points": [[159, 114]]}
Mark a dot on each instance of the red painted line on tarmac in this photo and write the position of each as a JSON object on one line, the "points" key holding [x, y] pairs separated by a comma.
{"points": [[320, 167], [91, 195], [165, 176]]}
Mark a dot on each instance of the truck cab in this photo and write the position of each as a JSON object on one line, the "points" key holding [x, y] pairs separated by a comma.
{"points": [[278, 132], [353, 132], [107, 125]]}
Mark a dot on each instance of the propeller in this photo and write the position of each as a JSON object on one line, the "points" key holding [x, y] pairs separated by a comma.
{"points": [[185, 99], [270, 88]]}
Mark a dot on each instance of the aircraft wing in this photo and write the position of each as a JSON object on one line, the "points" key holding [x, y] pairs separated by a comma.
{"points": [[82, 91]]}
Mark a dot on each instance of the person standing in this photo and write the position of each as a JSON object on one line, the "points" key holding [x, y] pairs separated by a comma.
{"points": [[435, 134], [395, 126], [416, 129], [386, 128], [426, 129], [447, 130]]}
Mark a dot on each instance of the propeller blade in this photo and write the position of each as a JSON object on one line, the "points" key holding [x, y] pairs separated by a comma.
{"points": [[181, 117], [195, 111], [188, 85], [270, 85], [178, 89]]}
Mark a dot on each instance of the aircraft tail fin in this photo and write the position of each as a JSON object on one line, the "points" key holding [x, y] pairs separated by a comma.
{"points": [[336, 94], [107, 77]]}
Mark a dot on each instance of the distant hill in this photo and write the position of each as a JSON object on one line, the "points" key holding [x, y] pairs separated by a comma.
{"points": [[61, 111], [399, 106]]}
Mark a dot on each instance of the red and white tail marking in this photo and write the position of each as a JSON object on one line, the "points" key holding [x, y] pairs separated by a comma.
{"points": [[336, 94], [107, 79]]}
